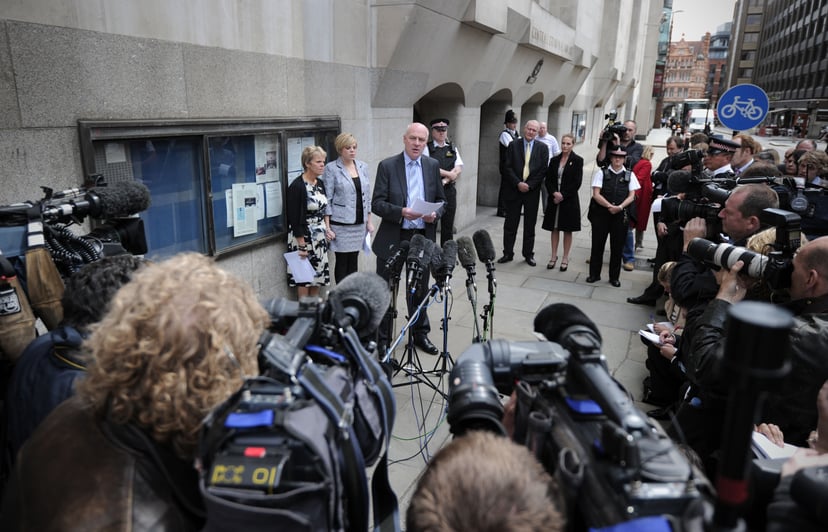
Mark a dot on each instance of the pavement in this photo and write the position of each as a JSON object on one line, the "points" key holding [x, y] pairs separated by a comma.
{"points": [[521, 291]]}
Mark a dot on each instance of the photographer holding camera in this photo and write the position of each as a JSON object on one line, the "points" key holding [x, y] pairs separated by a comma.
{"points": [[177, 341], [621, 136], [793, 407], [693, 285]]}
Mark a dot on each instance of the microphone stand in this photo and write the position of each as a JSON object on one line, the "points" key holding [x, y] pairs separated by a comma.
{"points": [[488, 309], [394, 287], [410, 364], [471, 293], [445, 356]]}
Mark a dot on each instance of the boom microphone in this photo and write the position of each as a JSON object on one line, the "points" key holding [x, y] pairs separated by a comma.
{"points": [[443, 261], [484, 246], [449, 257], [566, 325], [118, 200], [363, 297], [435, 264]]}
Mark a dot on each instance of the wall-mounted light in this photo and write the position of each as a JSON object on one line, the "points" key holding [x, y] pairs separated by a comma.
{"points": [[535, 71]]}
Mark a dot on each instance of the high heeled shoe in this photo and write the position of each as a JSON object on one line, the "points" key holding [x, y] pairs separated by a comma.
{"points": [[552, 263], [564, 265]]}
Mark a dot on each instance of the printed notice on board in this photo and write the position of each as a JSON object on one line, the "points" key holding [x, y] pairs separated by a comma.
{"points": [[245, 208]]}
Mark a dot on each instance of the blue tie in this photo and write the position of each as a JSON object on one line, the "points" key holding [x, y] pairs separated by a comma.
{"points": [[415, 190]]}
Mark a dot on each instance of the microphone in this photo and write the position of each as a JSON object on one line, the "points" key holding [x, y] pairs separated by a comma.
{"points": [[118, 200], [466, 254], [484, 246], [419, 255], [363, 298], [443, 261], [395, 261], [449, 257], [486, 252], [566, 325]]}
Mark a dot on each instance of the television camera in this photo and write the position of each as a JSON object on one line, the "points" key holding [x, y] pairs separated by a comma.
{"points": [[613, 462], [612, 127], [113, 205], [291, 447]]}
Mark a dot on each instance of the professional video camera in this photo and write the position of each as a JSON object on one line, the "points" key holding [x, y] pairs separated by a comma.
{"points": [[290, 449], [612, 128], [116, 230], [774, 267], [703, 198], [613, 462]]}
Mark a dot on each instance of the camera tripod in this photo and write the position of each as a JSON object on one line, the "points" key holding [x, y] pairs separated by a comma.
{"points": [[488, 308]]}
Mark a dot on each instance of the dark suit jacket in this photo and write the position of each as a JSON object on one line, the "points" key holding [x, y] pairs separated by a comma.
{"points": [[391, 196], [538, 163], [569, 217]]}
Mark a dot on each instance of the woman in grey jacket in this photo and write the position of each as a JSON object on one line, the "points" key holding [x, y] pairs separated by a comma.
{"points": [[349, 205]]}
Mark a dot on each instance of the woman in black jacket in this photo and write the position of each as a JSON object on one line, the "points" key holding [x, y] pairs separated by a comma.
{"points": [[563, 212]]}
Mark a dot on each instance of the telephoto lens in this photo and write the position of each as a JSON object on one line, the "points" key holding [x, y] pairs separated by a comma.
{"points": [[726, 255]]}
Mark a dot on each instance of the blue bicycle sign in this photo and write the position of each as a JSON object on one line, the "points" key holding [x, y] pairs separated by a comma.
{"points": [[743, 107]]}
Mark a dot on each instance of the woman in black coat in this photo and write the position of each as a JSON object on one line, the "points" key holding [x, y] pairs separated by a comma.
{"points": [[563, 212]]}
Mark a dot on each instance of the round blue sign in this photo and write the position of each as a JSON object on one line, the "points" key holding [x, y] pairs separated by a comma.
{"points": [[742, 107]]}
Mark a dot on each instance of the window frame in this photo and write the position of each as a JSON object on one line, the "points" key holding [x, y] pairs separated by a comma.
{"points": [[324, 129]]}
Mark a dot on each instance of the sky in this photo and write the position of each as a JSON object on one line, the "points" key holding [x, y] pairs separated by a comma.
{"points": [[699, 16]]}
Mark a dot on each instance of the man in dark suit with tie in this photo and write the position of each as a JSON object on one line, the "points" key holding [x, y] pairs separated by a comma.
{"points": [[524, 178], [400, 181]]}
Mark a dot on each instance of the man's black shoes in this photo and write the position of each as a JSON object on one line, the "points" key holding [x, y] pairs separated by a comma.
{"points": [[641, 300], [592, 279], [531, 261], [505, 258], [615, 282], [424, 344]]}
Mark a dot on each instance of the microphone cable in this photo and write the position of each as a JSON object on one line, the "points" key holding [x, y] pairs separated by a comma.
{"points": [[69, 251]]}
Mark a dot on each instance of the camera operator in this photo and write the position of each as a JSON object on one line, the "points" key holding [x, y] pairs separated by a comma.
{"points": [[46, 372], [610, 141], [485, 482], [177, 341]]}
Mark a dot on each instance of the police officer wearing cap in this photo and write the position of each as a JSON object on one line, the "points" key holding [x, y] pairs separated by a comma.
{"points": [[718, 156], [451, 165], [613, 189], [509, 134]]}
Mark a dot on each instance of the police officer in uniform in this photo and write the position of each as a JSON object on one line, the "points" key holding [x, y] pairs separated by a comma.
{"points": [[451, 165], [506, 137], [613, 189]]}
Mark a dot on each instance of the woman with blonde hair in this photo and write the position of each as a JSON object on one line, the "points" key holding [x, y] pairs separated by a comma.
{"points": [[177, 341], [349, 205], [308, 221]]}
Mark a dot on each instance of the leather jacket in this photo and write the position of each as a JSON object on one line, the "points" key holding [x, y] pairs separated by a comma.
{"points": [[77, 472], [792, 406]]}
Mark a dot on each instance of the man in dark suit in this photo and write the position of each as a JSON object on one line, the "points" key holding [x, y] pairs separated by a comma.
{"points": [[401, 180], [524, 178]]}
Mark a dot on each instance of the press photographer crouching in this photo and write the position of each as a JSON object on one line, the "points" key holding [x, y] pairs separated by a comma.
{"points": [[177, 340]]}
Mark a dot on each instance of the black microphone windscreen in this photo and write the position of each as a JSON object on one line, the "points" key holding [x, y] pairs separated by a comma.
{"points": [[449, 256], [416, 248], [483, 243], [436, 263], [122, 198], [554, 319], [465, 252], [366, 293], [679, 181]]}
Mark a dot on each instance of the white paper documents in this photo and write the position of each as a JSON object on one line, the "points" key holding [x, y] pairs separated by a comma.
{"points": [[301, 268]]}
